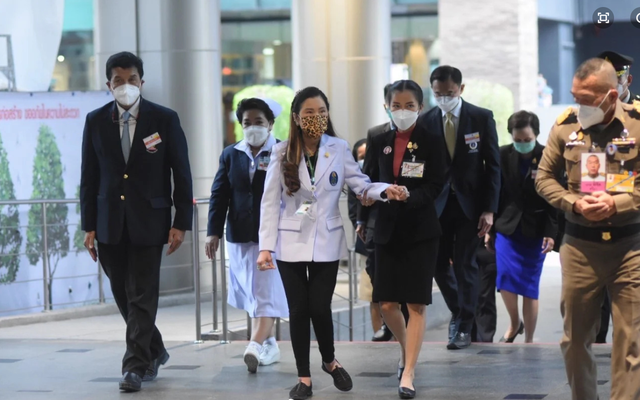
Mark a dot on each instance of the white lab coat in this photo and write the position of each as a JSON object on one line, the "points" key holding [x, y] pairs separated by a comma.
{"points": [[317, 235]]}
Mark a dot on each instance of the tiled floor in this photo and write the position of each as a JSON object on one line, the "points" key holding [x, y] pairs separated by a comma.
{"points": [[64, 370], [79, 359]]}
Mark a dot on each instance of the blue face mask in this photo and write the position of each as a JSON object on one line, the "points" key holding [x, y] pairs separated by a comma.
{"points": [[524, 147]]}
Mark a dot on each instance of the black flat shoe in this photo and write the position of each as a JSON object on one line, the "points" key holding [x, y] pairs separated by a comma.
{"points": [[341, 379], [131, 382], [301, 392], [400, 371], [512, 338], [406, 393], [152, 371], [382, 335]]}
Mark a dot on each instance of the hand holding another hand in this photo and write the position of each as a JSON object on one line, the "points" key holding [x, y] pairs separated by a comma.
{"points": [[595, 207], [397, 193]]}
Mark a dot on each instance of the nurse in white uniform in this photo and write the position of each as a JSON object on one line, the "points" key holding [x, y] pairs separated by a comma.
{"points": [[235, 197], [302, 228]]}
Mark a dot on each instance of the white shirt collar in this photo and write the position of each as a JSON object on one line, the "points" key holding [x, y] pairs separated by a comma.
{"points": [[456, 111], [628, 96], [246, 148], [133, 110]]}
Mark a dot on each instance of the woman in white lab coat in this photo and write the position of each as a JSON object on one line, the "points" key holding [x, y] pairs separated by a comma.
{"points": [[301, 223]]}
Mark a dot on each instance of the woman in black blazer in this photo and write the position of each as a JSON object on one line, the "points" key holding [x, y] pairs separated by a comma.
{"points": [[407, 231], [524, 228]]}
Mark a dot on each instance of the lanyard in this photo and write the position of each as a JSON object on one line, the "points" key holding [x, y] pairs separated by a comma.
{"points": [[311, 165]]}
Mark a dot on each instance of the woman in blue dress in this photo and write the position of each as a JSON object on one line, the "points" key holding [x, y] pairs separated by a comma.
{"points": [[525, 226]]}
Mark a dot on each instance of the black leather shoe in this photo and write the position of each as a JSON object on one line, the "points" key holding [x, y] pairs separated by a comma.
{"points": [[301, 392], [400, 372], [512, 338], [152, 371], [382, 335], [406, 393], [460, 341], [130, 382], [341, 379], [452, 327]]}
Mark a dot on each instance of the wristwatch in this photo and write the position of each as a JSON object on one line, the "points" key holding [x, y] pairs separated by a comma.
{"points": [[383, 195]]}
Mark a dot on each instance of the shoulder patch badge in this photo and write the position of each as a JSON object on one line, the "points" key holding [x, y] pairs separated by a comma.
{"points": [[565, 116]]}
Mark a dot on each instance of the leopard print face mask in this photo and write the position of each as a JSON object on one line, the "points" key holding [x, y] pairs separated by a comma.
{"points": [[314, 125]]}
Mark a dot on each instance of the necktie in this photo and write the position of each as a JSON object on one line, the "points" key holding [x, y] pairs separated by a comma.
{"points": [[450, 134], [125, 141]]}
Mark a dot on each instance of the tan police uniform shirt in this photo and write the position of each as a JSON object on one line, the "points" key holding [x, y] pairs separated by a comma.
{"points": [[558, 157]]}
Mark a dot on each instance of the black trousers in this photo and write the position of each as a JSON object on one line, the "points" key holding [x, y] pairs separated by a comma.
{"points": [[459, 242], [134, 274], [484, 327], [309, 287]]}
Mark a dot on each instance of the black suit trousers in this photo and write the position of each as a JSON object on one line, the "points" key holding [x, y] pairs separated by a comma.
{"points": [[134, 274], [459, 242], [484, 327]]}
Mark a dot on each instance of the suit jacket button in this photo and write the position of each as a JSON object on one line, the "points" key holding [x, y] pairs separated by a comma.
{"points": [[122, 197], [126, 176]]}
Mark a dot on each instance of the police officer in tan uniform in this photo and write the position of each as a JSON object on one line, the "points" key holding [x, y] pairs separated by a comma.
{"points": [[601, 245]]}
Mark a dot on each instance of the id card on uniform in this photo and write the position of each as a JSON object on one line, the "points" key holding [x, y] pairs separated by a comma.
{"points": [[412, 169], [593, 172], [304, 208], [263, 163], [621, 183]]}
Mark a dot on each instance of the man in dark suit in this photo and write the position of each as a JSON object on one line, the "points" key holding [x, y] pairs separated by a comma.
{"points": [[469, 199], [622, 65], [130, 148]]}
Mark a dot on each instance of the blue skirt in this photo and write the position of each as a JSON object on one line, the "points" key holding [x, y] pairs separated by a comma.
{"points": [[519, 262]]}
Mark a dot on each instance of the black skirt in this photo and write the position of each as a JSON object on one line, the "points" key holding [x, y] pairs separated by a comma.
{"points": [[404, 272]]}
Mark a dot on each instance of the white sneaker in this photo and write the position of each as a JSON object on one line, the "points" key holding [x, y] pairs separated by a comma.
{"points": [[270, 354], [252, 356]]}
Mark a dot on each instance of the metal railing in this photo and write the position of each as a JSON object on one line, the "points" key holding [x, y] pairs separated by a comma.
{"points": [[217, 263], [223, 334]]}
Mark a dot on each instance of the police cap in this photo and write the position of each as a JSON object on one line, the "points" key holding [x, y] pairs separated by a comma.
{"points": [[620, 62]]}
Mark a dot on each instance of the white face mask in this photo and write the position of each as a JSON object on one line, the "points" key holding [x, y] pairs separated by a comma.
{"points": [[126, 94], [361, 164], [589, 116], [256, 135], [403, 119], [447, 103]]}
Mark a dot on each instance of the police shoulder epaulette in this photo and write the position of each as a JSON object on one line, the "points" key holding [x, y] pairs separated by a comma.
{"points": [[633, 109], [568, 116]]}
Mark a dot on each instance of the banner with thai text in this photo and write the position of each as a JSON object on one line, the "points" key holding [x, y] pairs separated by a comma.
{"points": [[40, 156]]}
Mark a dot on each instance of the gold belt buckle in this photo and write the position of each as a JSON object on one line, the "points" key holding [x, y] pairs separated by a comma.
{"points": [[606, 236]]}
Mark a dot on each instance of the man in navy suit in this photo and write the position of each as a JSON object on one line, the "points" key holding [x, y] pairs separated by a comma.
{"points": [[130, 148], [469, 199]]}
